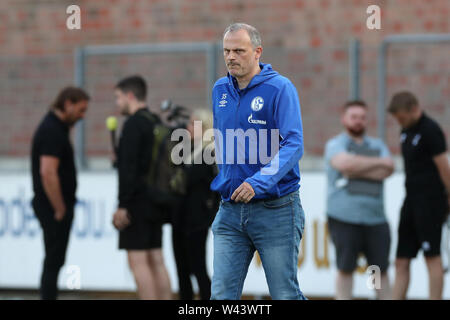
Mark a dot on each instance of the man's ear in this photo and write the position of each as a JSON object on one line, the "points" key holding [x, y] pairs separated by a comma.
{"points": [[130, 96], [258, 51], [415, 109], [68, 106]]}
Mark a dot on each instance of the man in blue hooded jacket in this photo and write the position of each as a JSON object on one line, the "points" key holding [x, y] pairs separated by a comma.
{"points": [[256, 110]]}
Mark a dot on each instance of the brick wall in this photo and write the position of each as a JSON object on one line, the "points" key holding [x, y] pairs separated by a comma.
{"points": [[306, 40]]}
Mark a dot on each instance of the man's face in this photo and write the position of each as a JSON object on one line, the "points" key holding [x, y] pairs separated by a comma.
{"points": [[354, 120], [239, 54], [405, 118], [122, 102], [75, 111]]}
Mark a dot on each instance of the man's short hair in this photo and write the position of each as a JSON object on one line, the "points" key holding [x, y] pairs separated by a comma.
{"points": [[402, 101], [353, 103], [253, 33], [72, 94], [134, 84]]}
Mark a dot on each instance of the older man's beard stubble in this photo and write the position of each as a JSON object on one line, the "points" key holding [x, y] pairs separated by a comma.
{"points": [[234, 68]]}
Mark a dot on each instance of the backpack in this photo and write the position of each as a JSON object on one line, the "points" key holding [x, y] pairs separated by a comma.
{"points": [[165, 181]]}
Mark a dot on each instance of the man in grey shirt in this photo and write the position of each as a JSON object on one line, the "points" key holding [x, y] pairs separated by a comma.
{"points": [[356, 166]]}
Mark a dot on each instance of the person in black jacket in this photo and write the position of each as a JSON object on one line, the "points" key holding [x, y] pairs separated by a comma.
{"points": [[55, 181], [140, 234], [191, 222]]}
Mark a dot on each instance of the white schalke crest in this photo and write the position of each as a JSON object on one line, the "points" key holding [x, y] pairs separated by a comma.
{"points": [[416, 139], [403, 137], [257, 103]]}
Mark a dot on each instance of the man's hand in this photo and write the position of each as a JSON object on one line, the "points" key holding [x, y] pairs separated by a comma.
{"points": [[244, 193], [60, 213], [120, 219]]}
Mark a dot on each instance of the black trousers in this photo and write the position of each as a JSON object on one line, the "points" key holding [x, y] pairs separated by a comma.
{"points": [[190, 257], [56, 238]]}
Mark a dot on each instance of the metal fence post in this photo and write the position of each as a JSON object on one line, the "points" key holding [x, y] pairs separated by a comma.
{"points": [[212, 71], [80, 134], [382, 91]]}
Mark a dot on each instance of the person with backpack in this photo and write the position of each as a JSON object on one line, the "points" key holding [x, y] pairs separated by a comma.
{"points": [[195, 213], [137, 218]]}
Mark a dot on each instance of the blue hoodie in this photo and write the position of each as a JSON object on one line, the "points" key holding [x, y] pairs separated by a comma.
{"points": [[270, 101]]}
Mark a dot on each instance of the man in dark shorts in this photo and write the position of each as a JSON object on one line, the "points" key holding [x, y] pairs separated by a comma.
{"points": [[55, 182], [356, 167], [140, 234], [425, 207]]}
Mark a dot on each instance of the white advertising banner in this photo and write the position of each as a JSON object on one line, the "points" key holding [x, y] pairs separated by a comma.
{"points": [[93, 261]]}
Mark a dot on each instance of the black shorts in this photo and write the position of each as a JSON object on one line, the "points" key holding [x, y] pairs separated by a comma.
{"points": [[142, 233], [420, 227], [350, 240]]}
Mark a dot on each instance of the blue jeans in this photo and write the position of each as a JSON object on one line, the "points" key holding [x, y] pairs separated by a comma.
{"points": [[274, 228]]}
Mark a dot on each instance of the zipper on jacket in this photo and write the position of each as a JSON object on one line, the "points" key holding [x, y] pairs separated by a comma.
{"points": [[236, 121]]}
